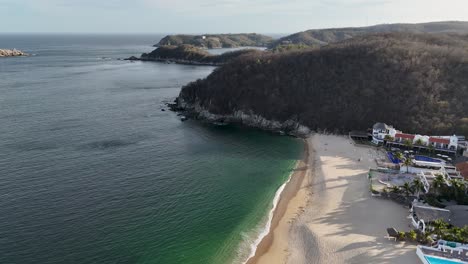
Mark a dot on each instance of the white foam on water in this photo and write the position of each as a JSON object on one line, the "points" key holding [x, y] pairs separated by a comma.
{"points": [[266, 229]]}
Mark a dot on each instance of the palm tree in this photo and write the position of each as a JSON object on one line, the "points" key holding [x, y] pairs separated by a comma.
{"points": [[438, 183], [418, 186], [464, 234], [419, 142], [439, 226], [407, 189], [399, 156], [431, 148], [395, 189], [408, 162], [458, 188], [408, 143]]}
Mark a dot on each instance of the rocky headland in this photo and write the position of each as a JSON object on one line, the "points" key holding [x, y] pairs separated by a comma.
{"points": [[417, 82], [189, 54], [216, 41]]}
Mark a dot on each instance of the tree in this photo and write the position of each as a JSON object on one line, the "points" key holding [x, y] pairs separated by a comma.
{"points": [[408, 143], [395, 189], [438, 183], [399, 156], [417, 186], [464, 234], [459, 190], [431, 149], [408, 162], [407, 189], [439, 226]]}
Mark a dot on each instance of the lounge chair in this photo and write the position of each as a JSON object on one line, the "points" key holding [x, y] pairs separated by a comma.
{"points": [[392, 234]]}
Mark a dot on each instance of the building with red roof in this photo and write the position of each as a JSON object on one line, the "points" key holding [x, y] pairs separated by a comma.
{"points": [[385, 134]]}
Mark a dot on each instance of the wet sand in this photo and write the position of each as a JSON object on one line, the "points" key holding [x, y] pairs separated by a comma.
{"points": [[341, 222], [293, 199]]}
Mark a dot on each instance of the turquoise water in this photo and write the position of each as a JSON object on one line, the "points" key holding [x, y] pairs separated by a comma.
{"points": [[92, 171], [434, 260]]}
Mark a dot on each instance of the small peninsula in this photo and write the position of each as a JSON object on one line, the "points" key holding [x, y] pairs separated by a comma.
{"points": [[191, 55], [11, 53], [411, 80], [216, 41]]}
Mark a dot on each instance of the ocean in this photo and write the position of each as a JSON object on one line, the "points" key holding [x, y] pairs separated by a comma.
{"points": [[92, 170]]}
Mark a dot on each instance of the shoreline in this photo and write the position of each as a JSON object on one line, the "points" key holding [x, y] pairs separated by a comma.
{"points": [[174, 61], [283, 208], [332, 218]]}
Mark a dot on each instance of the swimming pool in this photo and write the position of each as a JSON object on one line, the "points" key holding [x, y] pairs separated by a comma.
{"points": [[393, 158], [428, 159], [435, 260]]}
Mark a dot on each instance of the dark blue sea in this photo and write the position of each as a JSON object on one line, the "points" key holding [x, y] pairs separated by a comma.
{"points": [[93, 171]]}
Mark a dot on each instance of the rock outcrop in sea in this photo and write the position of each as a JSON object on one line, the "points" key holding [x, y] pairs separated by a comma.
{"points": [[11, 53]]}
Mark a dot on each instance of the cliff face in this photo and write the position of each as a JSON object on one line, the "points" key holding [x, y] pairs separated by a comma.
{"points": [[217, 41], [320, 37], [11, 53], [417, 82]]}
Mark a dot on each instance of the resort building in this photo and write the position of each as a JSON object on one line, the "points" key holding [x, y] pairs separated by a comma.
{"points": [[383, 134], [423, 214], [380, 131]]}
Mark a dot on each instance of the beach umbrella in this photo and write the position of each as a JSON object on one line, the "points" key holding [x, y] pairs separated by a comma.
{"points": [[406, 151], [449, 159], [439, 155]]}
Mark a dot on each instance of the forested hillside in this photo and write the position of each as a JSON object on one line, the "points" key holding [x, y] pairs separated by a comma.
{"points": [[211, 41], [417, 82], [189, 54], [320, 37]]}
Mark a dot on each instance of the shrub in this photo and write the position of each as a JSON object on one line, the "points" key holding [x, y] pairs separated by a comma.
{"points": [[401, 236], [411, 235]]}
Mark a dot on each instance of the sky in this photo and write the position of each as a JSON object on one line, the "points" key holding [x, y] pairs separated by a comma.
{"points": [[216, 16]]}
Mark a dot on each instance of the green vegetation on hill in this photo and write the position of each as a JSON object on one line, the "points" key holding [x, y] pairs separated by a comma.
{"points": [[417, 82], [192, 55], [320, 37], [217, 41]]}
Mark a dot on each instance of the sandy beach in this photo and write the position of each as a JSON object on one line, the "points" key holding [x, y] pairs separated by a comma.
{"points": [[327, 215]]}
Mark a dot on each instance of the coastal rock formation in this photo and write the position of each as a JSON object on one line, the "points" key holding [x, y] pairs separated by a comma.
{"points": [[417, 82], [11, 53], [212, 41], [250, 119], [188, 54], [320, 37]]}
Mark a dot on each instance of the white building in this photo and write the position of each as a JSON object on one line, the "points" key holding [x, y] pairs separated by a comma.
{"points": [[382, 132]]}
